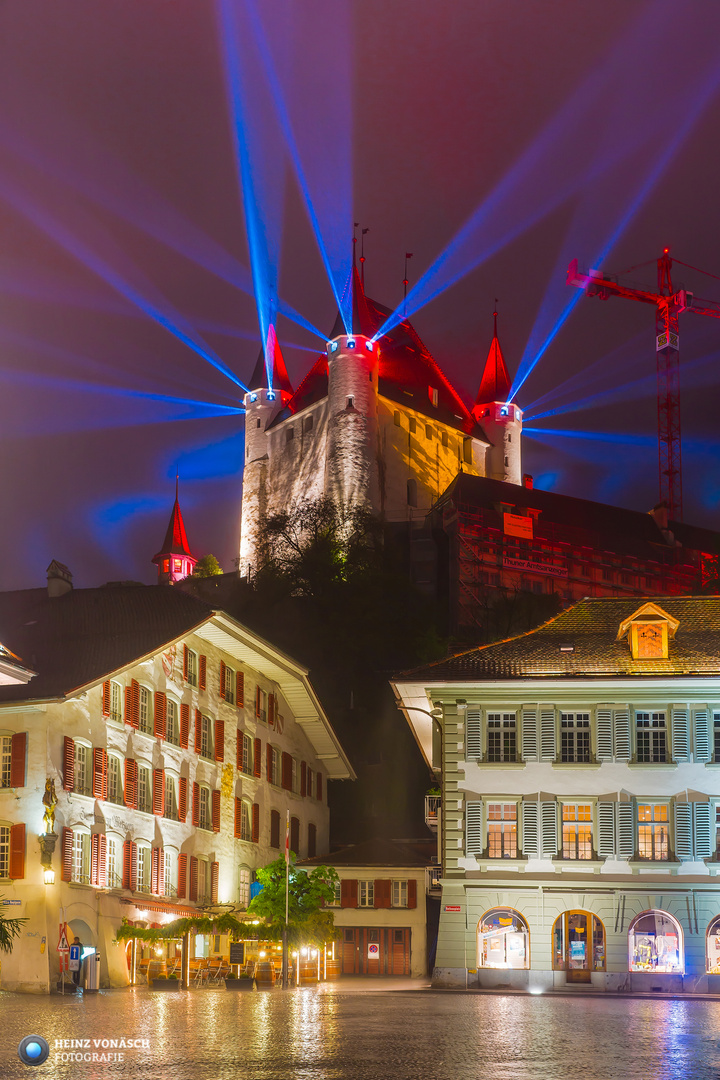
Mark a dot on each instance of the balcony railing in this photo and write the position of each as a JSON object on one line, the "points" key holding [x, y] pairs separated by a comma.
{"points": [[432, 878], [432, 810]]}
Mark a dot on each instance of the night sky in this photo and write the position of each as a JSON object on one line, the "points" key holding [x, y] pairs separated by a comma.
{"points": [[511, 135]]}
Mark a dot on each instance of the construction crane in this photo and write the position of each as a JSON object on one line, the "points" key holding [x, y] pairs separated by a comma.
{"points": [[668, 305]]}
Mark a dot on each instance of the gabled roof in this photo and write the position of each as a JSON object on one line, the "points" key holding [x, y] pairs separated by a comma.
{"points": [[278, 370], [379, 852], [495, 383]]}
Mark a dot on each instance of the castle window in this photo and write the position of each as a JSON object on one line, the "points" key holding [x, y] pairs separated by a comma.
{"points": [[308, 424], [412, 424], [289, 435], [509, 437], [467, 451], [444, 438], [428, 431], [258, 424], [396, 418], [350, 402], [412, 493], [506, 461]]}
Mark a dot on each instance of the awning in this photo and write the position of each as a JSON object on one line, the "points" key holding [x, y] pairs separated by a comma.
{"points": [[168, 909]]}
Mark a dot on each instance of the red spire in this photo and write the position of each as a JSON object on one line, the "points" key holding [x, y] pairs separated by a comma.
{"points": [[495, 383], [175, 549]]}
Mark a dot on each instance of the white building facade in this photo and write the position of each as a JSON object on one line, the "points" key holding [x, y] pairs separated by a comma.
{"points": [[174, 770], [580, 832]]}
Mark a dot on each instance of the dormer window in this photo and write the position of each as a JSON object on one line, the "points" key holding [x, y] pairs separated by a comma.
{"points": [[649, 632]]}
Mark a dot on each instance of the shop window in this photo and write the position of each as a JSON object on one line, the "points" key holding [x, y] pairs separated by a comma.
{"points": [[502, 737], [574, 737], [656, 943], [713, 947], [577, 831], [502, 830], [578, 945], [651, 736], [503, 940], [653, 831]]}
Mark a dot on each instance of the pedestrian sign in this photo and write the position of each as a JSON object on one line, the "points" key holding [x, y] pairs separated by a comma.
{"points": [[63, 942]]}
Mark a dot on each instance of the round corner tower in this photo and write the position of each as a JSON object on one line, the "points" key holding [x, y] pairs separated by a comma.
{"points": [[499, 417], [351, 463]]}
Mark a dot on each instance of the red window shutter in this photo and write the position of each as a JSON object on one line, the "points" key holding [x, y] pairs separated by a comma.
{"points": [[160, 717], [221, 689], [193, 877], [198, 731], [348, 892], [185, 662], [257, 761], [159, 792], [18, 749], [271, 710], [17, 851], [286, 771], [106, 698], [382, 893], [239, 749], [239, 689], [67, 847], [135, 716], [238, 818], [216, 811], [257, 701], [102, 862], [68, 764], [412, 892], [269, 761], [312, 841], [129, 865], [182, 798], [319, 786], [219, 740], [255, 822], [100, 773], [182, 877], [196, 804], [184, 727], [154, 867], [131, 783], [303, 778], [202, 680], [214, 881], [274, 828], [94, 858], [295, 835]]}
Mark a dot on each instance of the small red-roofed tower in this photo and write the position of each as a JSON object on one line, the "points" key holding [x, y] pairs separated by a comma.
{"points": [[175, 560], [500, 419]]}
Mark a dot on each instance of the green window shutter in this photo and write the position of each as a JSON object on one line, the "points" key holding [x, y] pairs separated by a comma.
{"points": [[625, 831], [549, 829], [473, 828], [473, 735], [548, 741], [683, 830], [703, 830], [701, 730], [530, 830], [606, 829], [603, 729], [529, 735], [680, 733], [621, 724]]}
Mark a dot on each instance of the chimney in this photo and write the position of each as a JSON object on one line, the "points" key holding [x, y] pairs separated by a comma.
{"points": [[527, 481], [59, 579]]}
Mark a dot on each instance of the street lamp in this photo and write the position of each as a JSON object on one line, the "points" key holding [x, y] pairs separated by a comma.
{"points": [[49, 876]]}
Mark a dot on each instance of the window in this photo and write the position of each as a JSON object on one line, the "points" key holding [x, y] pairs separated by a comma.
{"points": [[170, 859], [502, 830], [5, 760], [4, 851], [171, 806], [114, 869], [578, 943], [310, 787], [116, 707], [335, 902], [229, 685], [502, 737], [245, 820], [716, 737], [243, 886], [444, 438], [396, 419], [428, 431], [262, 704], [192, 668], [717, 831], [295, 784], [574, 737], [308, 422], [577, 831], [144, 790], [289, 435], [651, 736], [172, 733], [205, 821], [206, 737], [366, 894], [203, 888], [115, 787], [145, 716], [247, 754], [503, 940], [399, 894], [655, 943], [274, 763], [144, 861], [81, 857], [83, 769], [653, 831]]}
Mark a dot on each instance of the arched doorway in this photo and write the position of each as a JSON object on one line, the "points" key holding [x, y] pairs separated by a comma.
{"points": [[503, 940], [655, 943], [713, 947], [578, 945]]}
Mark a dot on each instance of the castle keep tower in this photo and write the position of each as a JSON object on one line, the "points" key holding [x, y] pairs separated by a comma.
{"points": [[501, 420], [351, 463]]}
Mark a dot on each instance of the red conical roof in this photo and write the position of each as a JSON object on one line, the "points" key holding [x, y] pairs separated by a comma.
{"points": [[280, 377], [495, 384], [176, 541]]}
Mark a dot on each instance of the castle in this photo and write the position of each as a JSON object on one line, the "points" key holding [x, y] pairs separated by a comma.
{"points": [[374, 423]]}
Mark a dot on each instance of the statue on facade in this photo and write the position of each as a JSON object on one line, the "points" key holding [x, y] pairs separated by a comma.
{"points": [[49, 802]]}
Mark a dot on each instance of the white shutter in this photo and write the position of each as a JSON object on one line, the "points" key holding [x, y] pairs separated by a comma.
{"points": [[680, 733], [703, 833], [701, 724], [606, 829], [530, 829], [529, 735], [473, 828], [625, 831], [473, 735], [683, 830], [603, 729], [549, 829], [622, 734], [548, 749]]}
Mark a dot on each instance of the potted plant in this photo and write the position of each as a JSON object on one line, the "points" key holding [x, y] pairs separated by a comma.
{"points": [[243, 982], [165, 982]]}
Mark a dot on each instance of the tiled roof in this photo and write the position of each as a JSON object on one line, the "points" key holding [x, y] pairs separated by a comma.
{"points": [[378, 852], [495, 382], [176, 541], [83, 636], [582, 641], [280, 377]]}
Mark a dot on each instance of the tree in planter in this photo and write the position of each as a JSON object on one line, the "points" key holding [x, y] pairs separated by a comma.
{"points": [[9, 930], [309, 922]]}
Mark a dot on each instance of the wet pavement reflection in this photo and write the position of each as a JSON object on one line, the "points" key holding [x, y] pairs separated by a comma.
{"points": [[363, 1035]]}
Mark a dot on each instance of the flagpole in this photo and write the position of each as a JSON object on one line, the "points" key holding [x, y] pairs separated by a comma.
{"points": [[287, 904]]}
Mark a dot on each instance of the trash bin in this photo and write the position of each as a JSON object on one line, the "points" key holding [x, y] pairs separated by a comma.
{"points": [[92, 972]]}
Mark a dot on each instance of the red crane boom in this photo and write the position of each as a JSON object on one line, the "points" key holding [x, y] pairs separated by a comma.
{"points": [[668, 305]]}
